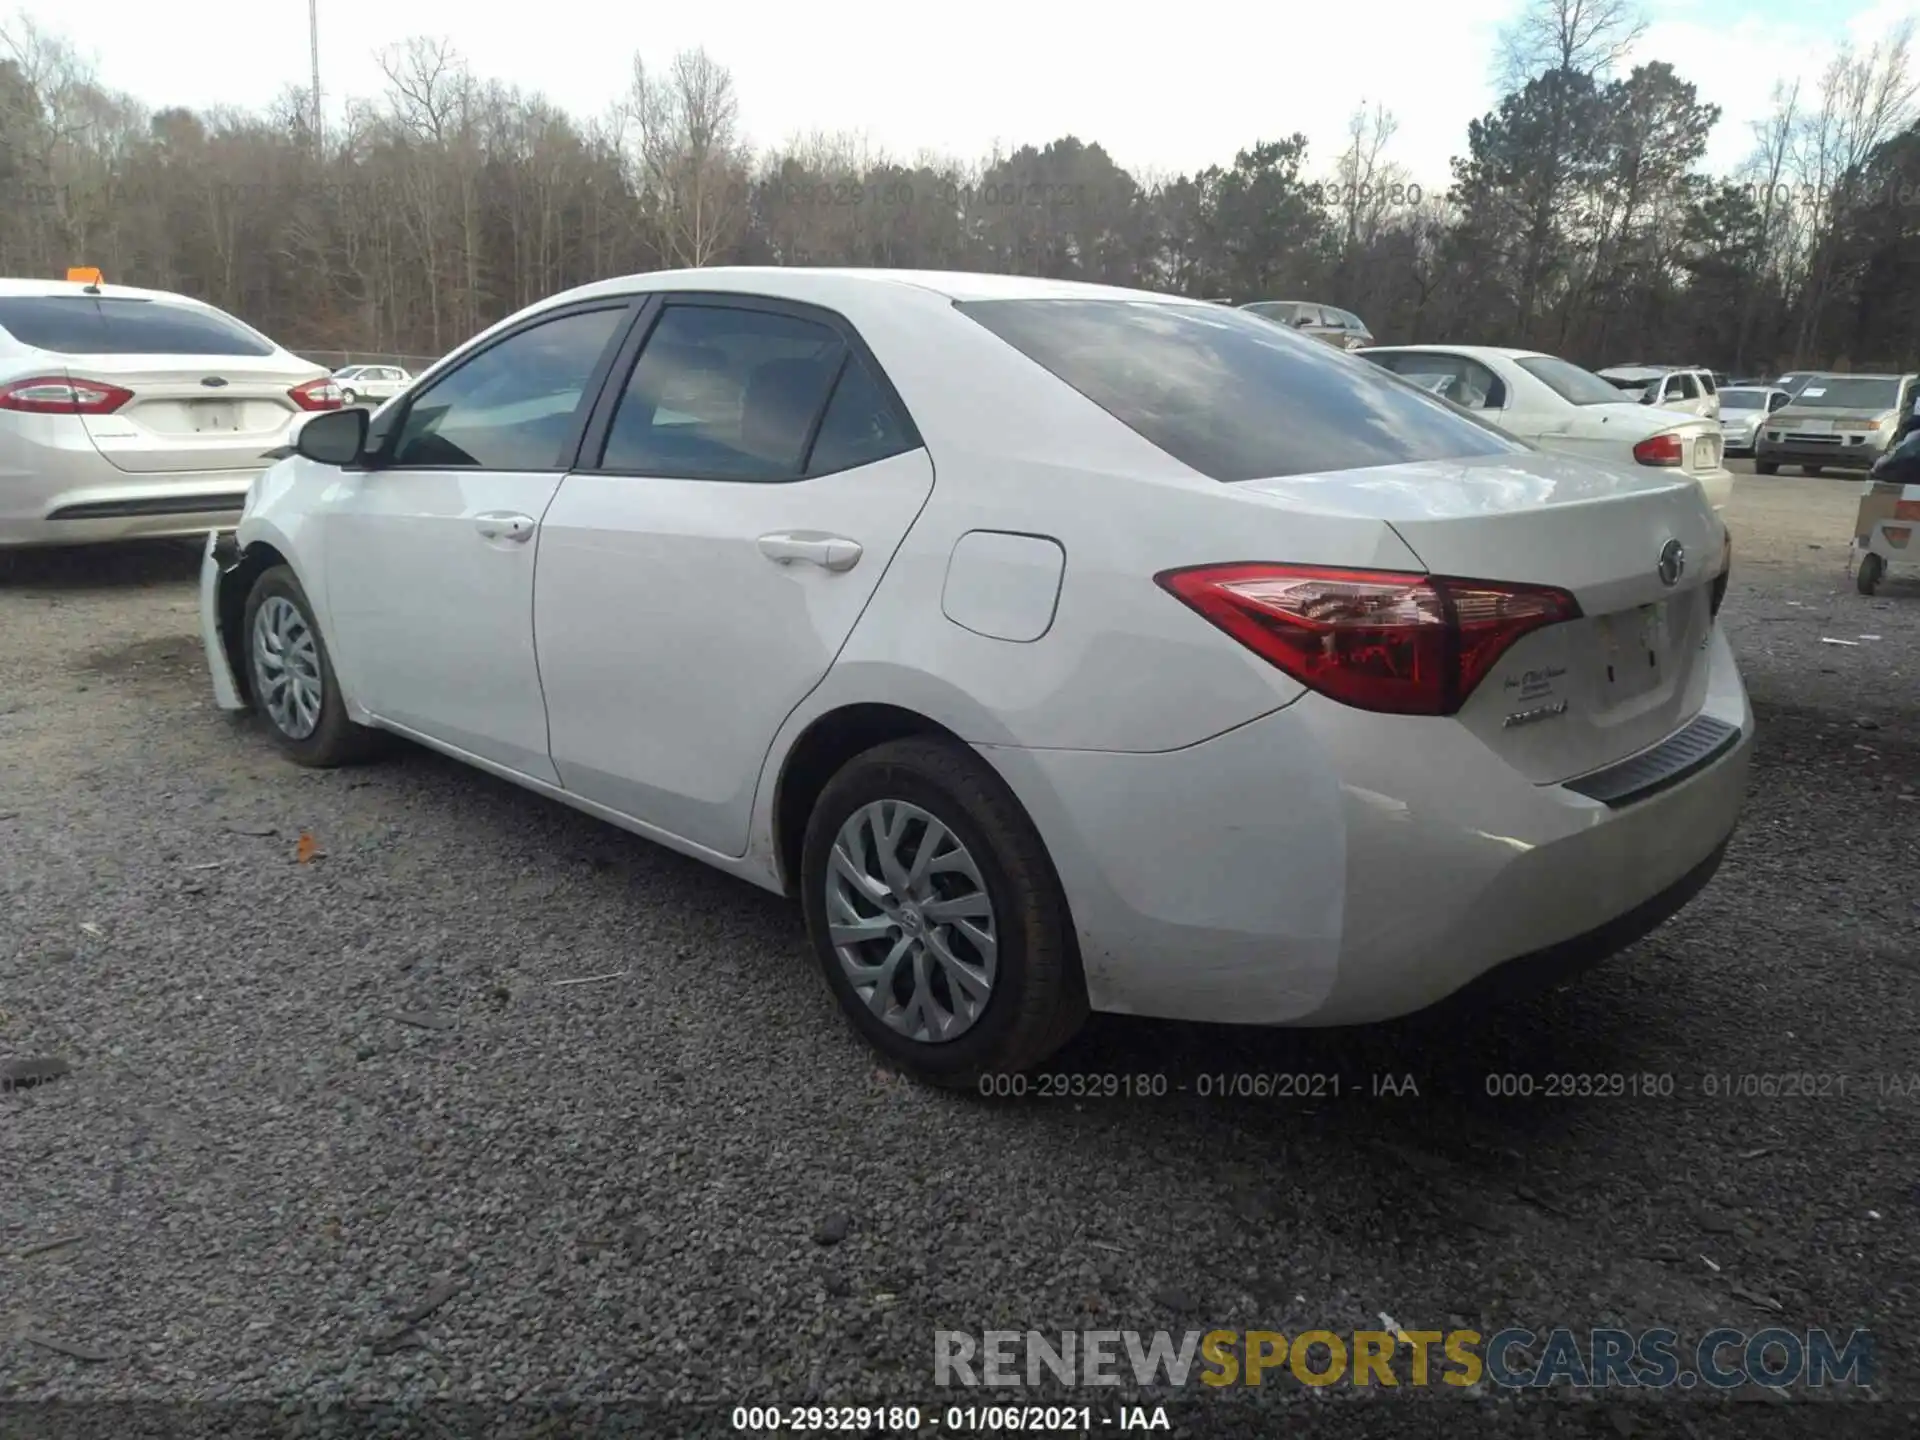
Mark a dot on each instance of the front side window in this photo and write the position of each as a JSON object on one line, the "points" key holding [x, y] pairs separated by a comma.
{"points": [[1681, 387], [512, 406], [113, 325], [1231, 396]]}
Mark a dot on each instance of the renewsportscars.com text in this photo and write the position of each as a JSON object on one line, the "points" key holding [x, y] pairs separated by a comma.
{"points": [[1723, 1359]]}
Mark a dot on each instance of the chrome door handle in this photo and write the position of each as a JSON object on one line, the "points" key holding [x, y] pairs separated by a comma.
{"points": [[502, 526], [829, 552]]}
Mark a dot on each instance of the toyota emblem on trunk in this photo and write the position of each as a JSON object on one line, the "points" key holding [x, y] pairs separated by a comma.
{"points": [[1673, 562]]}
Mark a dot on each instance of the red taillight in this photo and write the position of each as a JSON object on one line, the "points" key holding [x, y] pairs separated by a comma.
{"points": [[1659, 450], [1383, 640], [62, 395], [321, 394]]}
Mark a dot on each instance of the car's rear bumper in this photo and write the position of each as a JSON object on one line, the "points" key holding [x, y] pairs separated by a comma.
{"points": [[1718, 485], [151, 507], [1324, 866], [56, 488]]}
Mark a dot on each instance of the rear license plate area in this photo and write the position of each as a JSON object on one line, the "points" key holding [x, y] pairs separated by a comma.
{"points": [[1635, 646], [1703, 454], [215, 417]]}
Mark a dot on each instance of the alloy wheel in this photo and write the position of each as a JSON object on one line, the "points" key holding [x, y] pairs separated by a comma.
{"points": [[911, 921], [286, 667]]}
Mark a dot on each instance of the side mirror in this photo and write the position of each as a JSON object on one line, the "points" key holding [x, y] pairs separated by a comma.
{"points": [[334, 437]]}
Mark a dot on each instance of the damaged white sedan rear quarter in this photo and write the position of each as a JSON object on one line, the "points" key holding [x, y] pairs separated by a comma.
{"points": [[1058, 647]]}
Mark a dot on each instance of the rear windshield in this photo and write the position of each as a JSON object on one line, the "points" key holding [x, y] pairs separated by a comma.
{"points": [[112, 325], [1740, 399], [1847, 392], [1572, 384], [1233, 396]]}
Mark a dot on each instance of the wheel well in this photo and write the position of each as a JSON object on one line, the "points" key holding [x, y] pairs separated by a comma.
{"points": [[818, 755], [235, 585]]}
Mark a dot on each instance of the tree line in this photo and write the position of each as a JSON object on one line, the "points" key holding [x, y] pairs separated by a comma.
{"points": [[1578, 219]]}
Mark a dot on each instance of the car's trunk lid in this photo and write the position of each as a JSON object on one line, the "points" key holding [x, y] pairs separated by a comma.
{"points": [[1574, 697], [192, 412]]}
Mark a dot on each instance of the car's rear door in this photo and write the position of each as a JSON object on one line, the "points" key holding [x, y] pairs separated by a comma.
{"points": [[430, 553], [742, 488]]}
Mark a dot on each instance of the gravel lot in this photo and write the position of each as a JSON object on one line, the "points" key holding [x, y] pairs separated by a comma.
{"points": [[306, 1099]]}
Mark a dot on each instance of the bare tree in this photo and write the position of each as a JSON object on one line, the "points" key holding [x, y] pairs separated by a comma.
{"points": [[691, 164], [1366, 184], [1865, 100], [1588, 37]]}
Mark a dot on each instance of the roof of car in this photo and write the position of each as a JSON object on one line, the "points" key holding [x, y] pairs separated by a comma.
{"points": [[13, 286], [799, 281], [1481, 351]]}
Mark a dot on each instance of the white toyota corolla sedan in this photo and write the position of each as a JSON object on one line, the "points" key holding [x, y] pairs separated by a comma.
{"points": [[1057, 646]]}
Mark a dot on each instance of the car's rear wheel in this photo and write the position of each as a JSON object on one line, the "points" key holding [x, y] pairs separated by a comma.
{"points": [[937, 917], [1867, 578], [349, 397], [1814, 470], [291, 679], [1766, 467]]}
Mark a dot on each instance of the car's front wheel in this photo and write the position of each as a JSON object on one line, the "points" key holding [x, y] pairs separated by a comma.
{"points": [[937, 917], [291, 679], [1766, 467]]}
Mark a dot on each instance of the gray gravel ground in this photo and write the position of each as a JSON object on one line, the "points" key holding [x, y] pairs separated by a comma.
{"points": [[629, 1190]]}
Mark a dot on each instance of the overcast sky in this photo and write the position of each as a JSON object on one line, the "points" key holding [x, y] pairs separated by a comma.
{"points": [[1164, 88]]}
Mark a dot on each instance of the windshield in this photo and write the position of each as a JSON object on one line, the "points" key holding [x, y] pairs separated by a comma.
{"points": [[1571, 383], [1233, 396], [1847, 392], [1741, 399]]}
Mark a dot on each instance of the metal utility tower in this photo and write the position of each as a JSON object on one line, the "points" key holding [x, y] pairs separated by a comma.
{"points": [[313, 36]]}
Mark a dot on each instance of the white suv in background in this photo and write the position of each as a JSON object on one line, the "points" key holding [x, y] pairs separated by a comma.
{"points": [[1686, 388], [129, 413]]}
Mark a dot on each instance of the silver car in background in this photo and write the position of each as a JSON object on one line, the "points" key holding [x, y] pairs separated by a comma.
{"points": [[1742, 409], [1341, 329], [128, 413], [1839, 422]]}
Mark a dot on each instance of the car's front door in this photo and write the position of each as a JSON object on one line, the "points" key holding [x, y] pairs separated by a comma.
{"points": [[741, 491], [431, 550]]}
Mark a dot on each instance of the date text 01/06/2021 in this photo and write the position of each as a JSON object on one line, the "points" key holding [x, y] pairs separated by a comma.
{"points": [[954, 1419], [1207, 1085]]}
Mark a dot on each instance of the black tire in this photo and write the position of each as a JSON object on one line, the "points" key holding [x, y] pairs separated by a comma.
{"points": [[334, 739], [1766, 467], [1038, 999], [1867, 578], [1816, 471], [349, 399]]}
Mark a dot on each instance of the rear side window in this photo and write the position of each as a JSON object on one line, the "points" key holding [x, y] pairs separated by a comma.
{"points": [[734, 393], [1231, 396], [111, 325], [1706, 383], [862, 424]]}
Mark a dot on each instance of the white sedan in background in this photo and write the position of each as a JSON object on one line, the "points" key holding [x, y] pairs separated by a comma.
{"points": [[377, 383], [1056, 646], [128, 413], [1555, 404]]}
